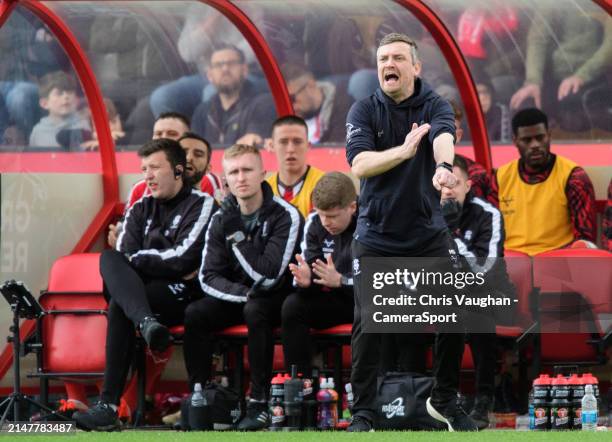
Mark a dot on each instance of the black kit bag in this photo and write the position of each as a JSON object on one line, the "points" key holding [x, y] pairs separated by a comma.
{"points": [[400, 402], [224, 403]]}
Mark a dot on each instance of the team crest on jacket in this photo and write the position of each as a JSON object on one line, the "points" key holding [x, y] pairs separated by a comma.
{"points": [[356, 269], [328, 246]]}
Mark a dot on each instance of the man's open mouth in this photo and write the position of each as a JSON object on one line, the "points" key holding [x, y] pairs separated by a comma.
{"points": [[391, 76]]}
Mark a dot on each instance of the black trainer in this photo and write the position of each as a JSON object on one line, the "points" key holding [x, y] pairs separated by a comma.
{"points": [[100, 417], [156, 335], [480, 412], [452, 415], [360, 424], [257, 417]]}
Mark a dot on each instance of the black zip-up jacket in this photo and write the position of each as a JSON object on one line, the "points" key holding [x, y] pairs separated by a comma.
{"points": [[229, 270], [164, 239], [318, 242], [479, 236], [252, 113], [399, 210]]}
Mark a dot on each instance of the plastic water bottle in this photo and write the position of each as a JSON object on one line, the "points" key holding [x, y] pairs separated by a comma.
{"points": [[199, 410], [531, 411], [350, 398], [589, 409]]}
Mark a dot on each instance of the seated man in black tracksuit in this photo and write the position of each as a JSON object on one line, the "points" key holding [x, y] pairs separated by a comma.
{"points": [[478, 230], [323, 273], [244, 275], [150, 278]]}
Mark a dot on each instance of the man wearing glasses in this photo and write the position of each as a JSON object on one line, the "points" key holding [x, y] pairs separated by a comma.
{"points": [[236, 113]]}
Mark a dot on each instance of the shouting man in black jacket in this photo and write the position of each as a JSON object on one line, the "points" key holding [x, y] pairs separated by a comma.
{"points": [[151, 277], [244, 275], [397, 139], [323, 272]]}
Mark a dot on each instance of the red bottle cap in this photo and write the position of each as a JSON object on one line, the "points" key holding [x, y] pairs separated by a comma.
{"points": [[543, 379], [560, 380]]}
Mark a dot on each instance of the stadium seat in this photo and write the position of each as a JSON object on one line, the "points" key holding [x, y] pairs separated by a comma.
{"points": [[72, 333], [574, 306]]}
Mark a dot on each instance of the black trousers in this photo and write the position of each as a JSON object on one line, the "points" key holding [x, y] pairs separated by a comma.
{"points": [[366, 347], [208, 315], [131, 298], [314, 309]]}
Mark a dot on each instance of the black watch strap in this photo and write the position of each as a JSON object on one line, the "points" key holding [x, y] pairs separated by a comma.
{"points": [[445, 165]]}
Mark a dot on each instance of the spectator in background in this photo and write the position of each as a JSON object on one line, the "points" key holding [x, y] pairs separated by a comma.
{"points": [[547, 201], [29, 51], [295, 179], [236, 113], [203, 30], [322, 104], [58, 92], [566, 53], [88, 140], [496, 114]]}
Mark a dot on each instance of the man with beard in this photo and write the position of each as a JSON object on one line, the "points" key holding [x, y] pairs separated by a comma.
{"points": [[322, 104], [546, 188], [236, 113]]}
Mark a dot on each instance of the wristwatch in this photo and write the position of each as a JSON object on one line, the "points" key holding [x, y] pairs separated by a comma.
{"points": [[236, 237], [345, 281], [445, 165]]}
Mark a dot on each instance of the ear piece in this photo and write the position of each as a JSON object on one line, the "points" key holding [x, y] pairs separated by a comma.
{"points": [[177, 173]]}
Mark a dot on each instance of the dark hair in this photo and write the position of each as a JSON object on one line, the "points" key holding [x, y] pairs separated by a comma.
{"points": [[194, 136], [334, 189], [462, 164], [528, 117], [395, 37], [225, 46], [288, 120], [174, 152], [176, 116], [456, 110], [59, 80], [293, 71]]}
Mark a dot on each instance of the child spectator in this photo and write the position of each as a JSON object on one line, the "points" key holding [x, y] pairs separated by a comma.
{"points": [[69, 138], [58, 97], [496, 114]]}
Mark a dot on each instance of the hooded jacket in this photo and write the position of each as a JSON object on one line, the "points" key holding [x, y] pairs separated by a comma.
{"points": [[399, 209], [229, 270]]}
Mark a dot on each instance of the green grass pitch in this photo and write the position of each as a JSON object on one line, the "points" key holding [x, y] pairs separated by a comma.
{"points": [[387, 436]]}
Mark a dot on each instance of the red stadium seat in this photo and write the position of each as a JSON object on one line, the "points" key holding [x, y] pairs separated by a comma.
{"points": [[73, 330], [575, 294]]}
